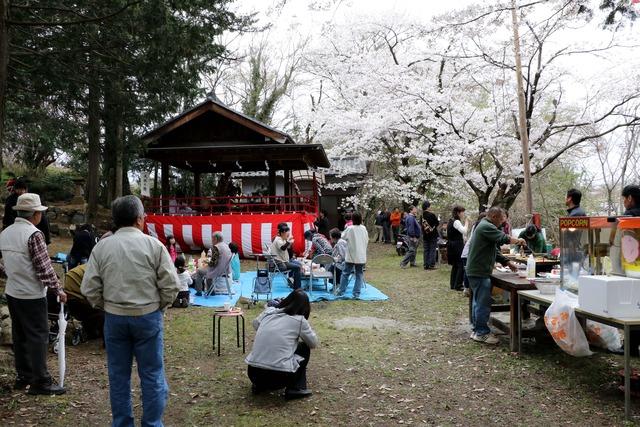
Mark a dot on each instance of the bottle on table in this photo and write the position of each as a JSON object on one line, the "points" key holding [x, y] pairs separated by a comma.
{"points": [[531, 267]]}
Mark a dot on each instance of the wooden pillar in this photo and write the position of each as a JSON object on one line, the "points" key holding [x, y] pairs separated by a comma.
{"points": [[287, 189], [272, 182], [316, 202], [196, 188], [272, 187], [164, 184], [196, 184]]}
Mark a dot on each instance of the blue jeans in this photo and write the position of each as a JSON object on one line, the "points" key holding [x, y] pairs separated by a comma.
{"points": [[465, 278], [124, 337], [346, 276], [412, 247], [429, 255], [481, 308]]}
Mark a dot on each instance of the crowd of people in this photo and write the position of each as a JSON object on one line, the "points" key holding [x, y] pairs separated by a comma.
{"points": [[120, 284]]}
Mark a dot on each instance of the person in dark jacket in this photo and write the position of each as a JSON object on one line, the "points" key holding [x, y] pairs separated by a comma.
{"points": [[386, 226], [631, 200], [84, 239], [574, 197], [19, 187], [414, 232], [322, 223], [429, 222], [457, 229]]}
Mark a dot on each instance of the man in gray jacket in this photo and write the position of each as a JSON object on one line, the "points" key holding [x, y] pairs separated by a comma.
{"points": [[131, 277]]}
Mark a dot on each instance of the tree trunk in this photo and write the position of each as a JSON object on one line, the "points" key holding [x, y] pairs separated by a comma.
{"points": [[483, 201], [4, 69], [114, 134], [506, 195], [155, 193], [93, 177], [119, 170]]}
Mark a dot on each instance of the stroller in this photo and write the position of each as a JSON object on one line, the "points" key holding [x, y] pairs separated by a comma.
{"points": [[74, 328], [402, 246]]}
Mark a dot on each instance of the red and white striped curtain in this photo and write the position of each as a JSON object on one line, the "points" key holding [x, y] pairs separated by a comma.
{"points": [[251, 232]]}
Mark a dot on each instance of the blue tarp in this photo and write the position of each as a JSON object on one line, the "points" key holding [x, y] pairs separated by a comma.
{"points": [[281, 290]]}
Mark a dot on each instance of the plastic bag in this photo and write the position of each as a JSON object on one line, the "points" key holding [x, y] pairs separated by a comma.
{"points": [[562, 323], [603, 336]]}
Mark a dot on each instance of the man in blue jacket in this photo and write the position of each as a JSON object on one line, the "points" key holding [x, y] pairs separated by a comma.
{"points": [[414, 233]]}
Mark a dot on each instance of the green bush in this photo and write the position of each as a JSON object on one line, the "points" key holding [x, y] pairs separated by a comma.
{"points": [[56, 185]]}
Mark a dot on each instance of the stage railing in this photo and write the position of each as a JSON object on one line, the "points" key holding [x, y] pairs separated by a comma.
{"points": [[228, 205]]}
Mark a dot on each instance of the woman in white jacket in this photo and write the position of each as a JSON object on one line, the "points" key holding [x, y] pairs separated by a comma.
{"points": [[357, 240], [282, 347]]}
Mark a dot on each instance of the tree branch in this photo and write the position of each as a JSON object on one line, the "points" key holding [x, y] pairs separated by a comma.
{"points": [[77, 22]]}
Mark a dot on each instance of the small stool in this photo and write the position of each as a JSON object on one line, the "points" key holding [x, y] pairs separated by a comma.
{"points": [[238, 314]]}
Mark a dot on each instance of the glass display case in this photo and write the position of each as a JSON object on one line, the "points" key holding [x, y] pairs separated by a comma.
{"points": [[629, 230], [588, 246]]}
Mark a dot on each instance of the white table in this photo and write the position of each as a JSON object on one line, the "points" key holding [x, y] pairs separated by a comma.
{"points": [[626, 324]]}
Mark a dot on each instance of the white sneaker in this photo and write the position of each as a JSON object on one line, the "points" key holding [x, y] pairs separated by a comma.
{"points": [[486, 339], [473, 335]]}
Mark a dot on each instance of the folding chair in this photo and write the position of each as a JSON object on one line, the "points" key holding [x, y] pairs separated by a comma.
{"points": [[273, 267], [326, 261], [212, 286]]}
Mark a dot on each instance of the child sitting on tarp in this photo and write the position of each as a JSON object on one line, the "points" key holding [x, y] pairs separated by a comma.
{"points": [[182, 300], [235, 262]]}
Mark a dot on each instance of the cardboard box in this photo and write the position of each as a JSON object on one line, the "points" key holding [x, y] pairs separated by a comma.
{"points": [[610, 296]]}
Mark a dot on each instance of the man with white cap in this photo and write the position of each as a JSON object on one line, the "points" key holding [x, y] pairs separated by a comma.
{"points": [[29, 274]]}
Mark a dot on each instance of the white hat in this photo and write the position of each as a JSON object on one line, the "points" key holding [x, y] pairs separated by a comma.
{"points": [[29, 202]]}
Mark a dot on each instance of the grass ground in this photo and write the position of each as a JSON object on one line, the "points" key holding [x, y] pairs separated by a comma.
{"points": [[417, 367]]}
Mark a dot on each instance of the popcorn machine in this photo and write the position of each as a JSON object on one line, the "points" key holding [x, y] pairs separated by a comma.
{"points": [[588, 246]]}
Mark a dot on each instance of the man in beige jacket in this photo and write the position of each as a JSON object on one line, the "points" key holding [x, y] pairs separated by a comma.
{"points": [[131, 277]]}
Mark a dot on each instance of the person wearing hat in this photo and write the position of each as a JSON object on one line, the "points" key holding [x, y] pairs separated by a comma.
{"points": [[534, 239], [280, 251], [429, 222], [29, 274]]}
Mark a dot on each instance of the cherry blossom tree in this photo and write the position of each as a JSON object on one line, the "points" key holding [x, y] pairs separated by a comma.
{"points": [[433, 107]]}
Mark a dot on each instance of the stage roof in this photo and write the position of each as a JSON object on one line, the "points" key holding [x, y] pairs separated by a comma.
{"points": [[212, 137]]}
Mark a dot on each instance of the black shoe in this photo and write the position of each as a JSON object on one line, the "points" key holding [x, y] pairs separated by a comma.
{"points": [[46, 389], [198, 294], [21, 384], [292, 394]]}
